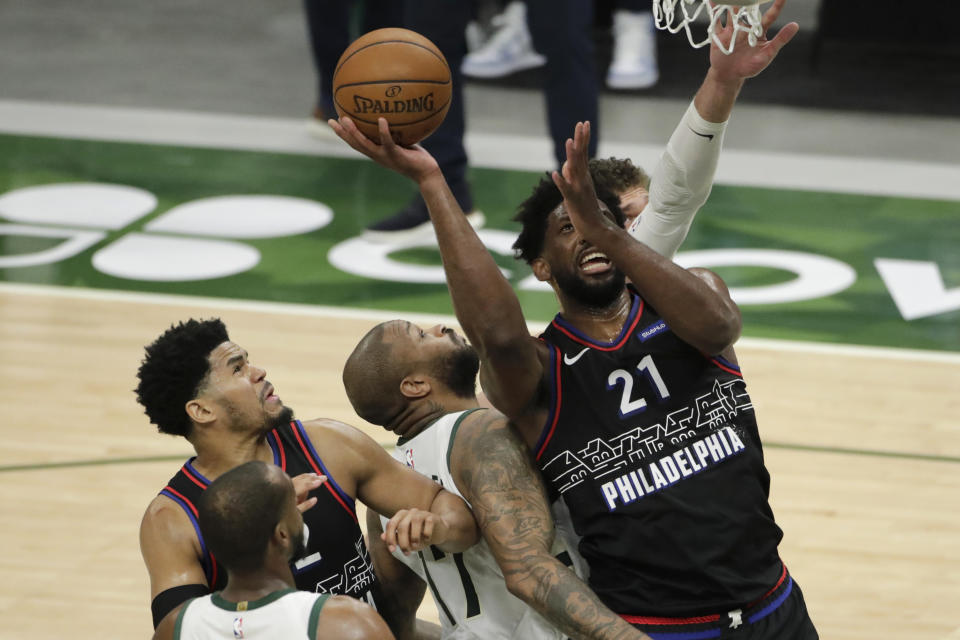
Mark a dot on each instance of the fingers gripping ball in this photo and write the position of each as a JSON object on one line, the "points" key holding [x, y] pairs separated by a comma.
{"points": [[396, 74]]}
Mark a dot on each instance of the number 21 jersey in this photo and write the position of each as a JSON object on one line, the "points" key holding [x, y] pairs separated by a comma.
{"points": [[654, 450]]}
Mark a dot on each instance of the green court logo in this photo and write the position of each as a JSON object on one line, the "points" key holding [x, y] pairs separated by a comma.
{"points": [[203, 239]]}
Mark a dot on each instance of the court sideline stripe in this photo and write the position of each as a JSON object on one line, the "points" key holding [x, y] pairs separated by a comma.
{"points": [[898, 455], [375, 315], [804, 171]]}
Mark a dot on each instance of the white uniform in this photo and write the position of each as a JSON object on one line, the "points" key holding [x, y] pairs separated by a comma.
{"points": [[471, 595], [287, 613]]}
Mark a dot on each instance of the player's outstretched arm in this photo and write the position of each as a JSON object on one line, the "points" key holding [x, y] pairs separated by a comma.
{"points": [[485, 303], [346, 618], [421, 512], [494, 470], [697, 309], [683, 178], [727, 73]]}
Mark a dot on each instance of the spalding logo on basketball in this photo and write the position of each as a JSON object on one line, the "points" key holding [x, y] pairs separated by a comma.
{"points": [[396, 74]]}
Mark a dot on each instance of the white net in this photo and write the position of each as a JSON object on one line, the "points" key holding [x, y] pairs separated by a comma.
{"points": [[744, 15]]}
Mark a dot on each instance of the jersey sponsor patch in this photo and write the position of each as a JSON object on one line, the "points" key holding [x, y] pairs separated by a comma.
{"points": [[653, 330]]}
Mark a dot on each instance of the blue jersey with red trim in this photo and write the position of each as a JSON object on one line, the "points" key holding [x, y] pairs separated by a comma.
{"points": [[654, 450], [336, 558]]}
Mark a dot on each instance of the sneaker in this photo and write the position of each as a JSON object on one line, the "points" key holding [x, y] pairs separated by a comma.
{"points": [[508, 50], [411, 224], [317, 125], [475, 36], [634, 64]]}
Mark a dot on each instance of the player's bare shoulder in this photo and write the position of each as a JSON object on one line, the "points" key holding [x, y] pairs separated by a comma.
{"points": [[350, 619], [169, 546], [329, 431], [487, 454], [478, 423], [165, 520]]}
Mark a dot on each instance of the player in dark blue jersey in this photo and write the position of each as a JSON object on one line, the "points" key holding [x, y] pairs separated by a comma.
{"points": [[632, 400], [196, 383], [250, 520]]}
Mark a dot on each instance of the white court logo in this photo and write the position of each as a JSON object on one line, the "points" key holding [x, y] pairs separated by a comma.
{"points": [[192, 241], [816, 276], [202, 239]]}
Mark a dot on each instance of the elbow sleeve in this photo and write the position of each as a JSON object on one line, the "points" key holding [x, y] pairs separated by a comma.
{"points": [[683, 178], [168, 600]]}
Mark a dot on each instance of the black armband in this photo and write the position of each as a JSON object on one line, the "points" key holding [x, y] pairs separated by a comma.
{"points": [[167, 601]]}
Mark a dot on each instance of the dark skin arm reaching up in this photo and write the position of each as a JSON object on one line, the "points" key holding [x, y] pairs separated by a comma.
{"points": [[485, 303], [672, 290]]}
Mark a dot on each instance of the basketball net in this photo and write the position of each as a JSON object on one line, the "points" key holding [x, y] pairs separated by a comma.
{"points": [[674, 15]]}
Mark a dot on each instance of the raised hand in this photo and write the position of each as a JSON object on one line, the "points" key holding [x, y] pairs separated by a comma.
{"points": [[413, 530], [746, 61], [414, 162], [576, 185], [303, 484]]}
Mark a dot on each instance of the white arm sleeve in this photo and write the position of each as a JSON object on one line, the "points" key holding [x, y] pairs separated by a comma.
{"points": [[680, 183]]}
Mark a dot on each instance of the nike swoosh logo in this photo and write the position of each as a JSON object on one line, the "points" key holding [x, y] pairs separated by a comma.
{"points": [[574, 359], [708, 136]]}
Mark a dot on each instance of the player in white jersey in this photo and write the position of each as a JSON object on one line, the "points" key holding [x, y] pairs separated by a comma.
{"points": [[472, 599], [287, 613], [421, 386], [250, 520]]}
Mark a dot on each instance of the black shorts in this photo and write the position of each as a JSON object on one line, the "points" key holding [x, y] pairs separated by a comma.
{"points": [[780, 615]]}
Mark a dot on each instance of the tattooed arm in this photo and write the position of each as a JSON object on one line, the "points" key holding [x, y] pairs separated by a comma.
{"points": [[494, 471]]}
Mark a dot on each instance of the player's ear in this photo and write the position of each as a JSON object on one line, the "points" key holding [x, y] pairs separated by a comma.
{"points": [[541, 269], [415, 386], [200, 411], [281, 535]]}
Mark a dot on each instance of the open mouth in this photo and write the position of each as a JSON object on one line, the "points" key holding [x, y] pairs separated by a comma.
{"points": [[594, 262], [269, 394]]}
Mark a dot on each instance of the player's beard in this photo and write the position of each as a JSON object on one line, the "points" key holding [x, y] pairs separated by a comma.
{"points": [[279, 420], [596, 295], [299, 545], [458, 369]]}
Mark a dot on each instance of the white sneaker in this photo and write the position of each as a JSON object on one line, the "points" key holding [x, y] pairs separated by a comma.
{"points": [[634, 64], [508, 50]]}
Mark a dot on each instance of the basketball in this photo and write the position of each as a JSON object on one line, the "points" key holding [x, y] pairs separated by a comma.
{"points": [[396, 74]]}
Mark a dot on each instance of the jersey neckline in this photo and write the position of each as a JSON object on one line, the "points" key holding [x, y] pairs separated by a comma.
{"points": [[402, 440], [248, 605], [629, 324]]}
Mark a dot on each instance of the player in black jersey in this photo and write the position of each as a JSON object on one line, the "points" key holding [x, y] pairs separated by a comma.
{"points": [[196, 383], [632, 400], [250, 519]]}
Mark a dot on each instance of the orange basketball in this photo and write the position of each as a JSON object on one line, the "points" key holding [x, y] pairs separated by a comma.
{"points": [[396, 74]]}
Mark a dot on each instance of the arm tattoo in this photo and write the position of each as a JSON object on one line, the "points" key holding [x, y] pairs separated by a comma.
{"points": [[496, 473]]}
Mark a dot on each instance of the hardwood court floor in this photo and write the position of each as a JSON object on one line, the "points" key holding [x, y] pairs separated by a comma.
{"points": [[863, 448]]}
